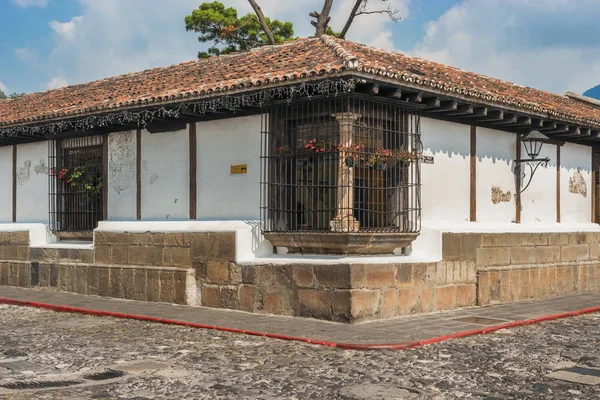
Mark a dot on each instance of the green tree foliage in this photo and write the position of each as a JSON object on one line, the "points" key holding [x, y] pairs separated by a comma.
{"points": [[12, 95], [2, 95], [228, 33]]}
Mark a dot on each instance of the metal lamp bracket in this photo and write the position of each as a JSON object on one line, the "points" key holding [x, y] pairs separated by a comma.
{"points": [[533, 164]]}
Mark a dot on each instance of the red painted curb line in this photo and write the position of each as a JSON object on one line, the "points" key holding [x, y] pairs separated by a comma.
{"points": [[346, 346]]}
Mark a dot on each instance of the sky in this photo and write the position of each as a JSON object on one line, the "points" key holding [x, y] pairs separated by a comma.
{"points": [[546, 44]]}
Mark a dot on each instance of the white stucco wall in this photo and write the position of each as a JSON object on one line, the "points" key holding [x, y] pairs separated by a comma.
{"points": [[495, 162], [6, 183], [165, 175], [576, 183], [121, 176], [221, 144], [446, 183], [538, 201], [32, 182]]}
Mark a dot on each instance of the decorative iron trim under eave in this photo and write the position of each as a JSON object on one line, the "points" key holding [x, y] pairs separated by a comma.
{"points": [[140, 118]]}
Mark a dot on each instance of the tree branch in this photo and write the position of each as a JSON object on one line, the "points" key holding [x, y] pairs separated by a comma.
{"points": [[322, 18], [350, 19], [263, 21]]}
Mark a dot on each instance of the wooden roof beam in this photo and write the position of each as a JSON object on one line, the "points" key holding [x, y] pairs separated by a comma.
{"points": [[392, 93], [478, 112], [558, 128], [415, 97], [446, 105], [462, 110], [507, 120], [496, 115]]}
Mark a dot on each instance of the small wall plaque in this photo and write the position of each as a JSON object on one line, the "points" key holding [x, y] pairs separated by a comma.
{"points": [[239, 169], [427, 159]]}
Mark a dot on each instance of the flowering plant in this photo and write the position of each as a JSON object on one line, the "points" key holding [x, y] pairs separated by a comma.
{"points": [[284, 150], [85, 176], [319, 146]]}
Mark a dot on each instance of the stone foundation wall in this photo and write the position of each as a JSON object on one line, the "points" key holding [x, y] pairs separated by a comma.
{"points": [[519, 266], [200, 269]]}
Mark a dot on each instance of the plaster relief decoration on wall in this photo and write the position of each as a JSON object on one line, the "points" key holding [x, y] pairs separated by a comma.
{"points": [[24, 173], [498, 196], [577, 183], [121, 167], [42, 168]]}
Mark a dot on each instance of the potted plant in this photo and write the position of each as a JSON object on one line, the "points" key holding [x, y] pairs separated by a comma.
{"points": [[353, 153]]}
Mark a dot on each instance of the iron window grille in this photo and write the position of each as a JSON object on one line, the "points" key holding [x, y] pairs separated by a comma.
{"points": [[75, 183], [344, 164]]}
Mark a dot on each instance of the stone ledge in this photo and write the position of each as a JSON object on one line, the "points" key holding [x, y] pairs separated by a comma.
{"points": [[341, 243]]}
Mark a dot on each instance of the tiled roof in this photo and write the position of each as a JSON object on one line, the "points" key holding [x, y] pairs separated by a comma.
{"points": [[282, 64]]}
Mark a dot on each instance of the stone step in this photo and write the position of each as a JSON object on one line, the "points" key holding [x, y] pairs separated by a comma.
{"points": [[71, 254]]}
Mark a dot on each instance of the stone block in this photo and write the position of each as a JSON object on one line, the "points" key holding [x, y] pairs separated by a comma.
{"points": [[314, 303], [419, 274], [221, 246], [594, 250], [522, 255], [426, 299], [159, 253], [167, 286], [24, 274], [534, 283], [158, 239], [199, 246], [210, 296], [432, 274], [201, 268], [4, 273], [493, 240], [177, 257], [64, 278], [558, 239], [249, 274], [583, 252], [19, 237], [404, 274], [489, 256], [544, 284], [465, 295], [524, 284], [23, 252], [217, 272], [515, 284], [109, 238], [469, 245], [471, 271], [365, 304], [445, 297], [116, 283], [4, 237], [104, 281], [102, 254], [44, 275], [35, 253], [139, 284], [177, 239], [341, 306], [333, 276], [180, 287], [570, 279], [81, 278], [137, 239], [569, 253], [547, 254], [246, 295], [389, 304], [54, 271], [483, 288], [451, 246], [513, 239], [235, 274], [128, 282], [13, 274], [408, 300], [272, 302], [11, 252], [92, 280], [552, 282], [120, 255], [534, 239], [139, 255], [381, 275], [304, 275], [450, 270], [153, 285], [504, 284], [358, 276], [441, 273], [2, 252]]}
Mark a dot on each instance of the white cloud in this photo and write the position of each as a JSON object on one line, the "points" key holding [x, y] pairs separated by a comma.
{"points": [[27, 56], [3, 88], [66, 29], [57, 82], [30, 3], [549, 45], [113, 37]]}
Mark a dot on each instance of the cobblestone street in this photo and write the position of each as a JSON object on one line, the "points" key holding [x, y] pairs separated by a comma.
{"points": [[162, 361]]}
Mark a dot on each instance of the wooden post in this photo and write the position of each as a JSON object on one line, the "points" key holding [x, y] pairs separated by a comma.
{"points": [[473, 178], [138, 174], [344, 220], [595, 185], [518, 182], [558, 183], [14, 184], [193, 169]]}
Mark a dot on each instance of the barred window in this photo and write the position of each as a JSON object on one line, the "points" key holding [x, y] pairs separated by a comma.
{"points": [[76, 186], [340, 165]]}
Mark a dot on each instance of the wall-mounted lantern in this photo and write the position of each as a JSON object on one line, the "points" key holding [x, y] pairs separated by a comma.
{"points": [[533, 142]]}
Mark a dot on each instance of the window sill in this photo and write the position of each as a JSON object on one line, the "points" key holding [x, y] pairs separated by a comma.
{"points": [[340, 243]]}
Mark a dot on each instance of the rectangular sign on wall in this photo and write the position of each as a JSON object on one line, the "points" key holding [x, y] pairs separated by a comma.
{"points": [[239, 169], [427, 159]]}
